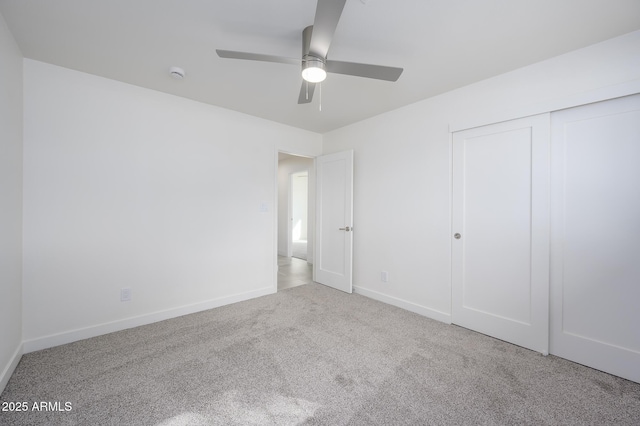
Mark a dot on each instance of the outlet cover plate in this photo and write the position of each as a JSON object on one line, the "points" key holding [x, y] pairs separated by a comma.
{"points": [[125, 294]]}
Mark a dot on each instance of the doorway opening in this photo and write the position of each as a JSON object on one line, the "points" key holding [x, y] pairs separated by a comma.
{"points": [[296, 204]]}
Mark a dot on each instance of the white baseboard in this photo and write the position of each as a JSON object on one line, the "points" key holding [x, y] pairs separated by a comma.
{"points": [[110, 327], [400, 303], [11, 367]]}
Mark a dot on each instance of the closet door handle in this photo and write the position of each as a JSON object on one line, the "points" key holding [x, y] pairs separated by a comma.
{"points": [[347, 229], [457, 236]]}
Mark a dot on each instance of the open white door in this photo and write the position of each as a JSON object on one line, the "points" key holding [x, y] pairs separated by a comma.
{"points": [[334, 220], [500, 274]]}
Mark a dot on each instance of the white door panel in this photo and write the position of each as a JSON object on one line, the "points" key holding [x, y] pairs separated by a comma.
{"points": [[334, 235], [500, 209], [497, 224], [596, 236]]}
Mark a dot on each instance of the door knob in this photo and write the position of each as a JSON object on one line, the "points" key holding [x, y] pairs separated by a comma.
{"points": [[457, 236], [347, 229]]}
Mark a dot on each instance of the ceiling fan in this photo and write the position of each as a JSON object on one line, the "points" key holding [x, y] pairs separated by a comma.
{"points": [[316, 40]]}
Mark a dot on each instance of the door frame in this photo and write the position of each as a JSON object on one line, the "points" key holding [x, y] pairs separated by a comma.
{"points": [[276, 215]]}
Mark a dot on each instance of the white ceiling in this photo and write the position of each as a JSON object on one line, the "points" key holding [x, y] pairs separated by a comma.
{"points": [[441, 44]]}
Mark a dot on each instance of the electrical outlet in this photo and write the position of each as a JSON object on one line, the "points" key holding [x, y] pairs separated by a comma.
{"points": [[384, 276], [125, 294]]}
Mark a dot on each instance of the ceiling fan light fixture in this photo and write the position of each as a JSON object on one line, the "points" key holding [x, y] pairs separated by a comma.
{"points": [[313, 70]]}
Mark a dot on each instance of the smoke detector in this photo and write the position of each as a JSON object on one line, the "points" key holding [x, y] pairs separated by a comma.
{"points": [[176, 72]]}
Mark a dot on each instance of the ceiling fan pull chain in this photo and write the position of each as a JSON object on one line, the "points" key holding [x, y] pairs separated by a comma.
{"points": [[320, 90], [307, 85]]}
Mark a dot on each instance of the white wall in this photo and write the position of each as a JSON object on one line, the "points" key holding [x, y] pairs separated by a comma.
{"points": [[287, 166], [10, 204], [403, 166], [127, 187]]}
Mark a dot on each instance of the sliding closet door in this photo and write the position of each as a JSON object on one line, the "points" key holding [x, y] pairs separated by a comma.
{"points": [[500, 241], [595, 274]]}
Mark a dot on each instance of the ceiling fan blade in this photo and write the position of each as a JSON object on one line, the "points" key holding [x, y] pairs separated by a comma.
{"points": [[306, 94], [379, 72], [327, 16], [231, 54]]}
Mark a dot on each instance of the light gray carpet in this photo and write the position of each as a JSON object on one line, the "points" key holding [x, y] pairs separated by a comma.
{"points": [[314, 356]]}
